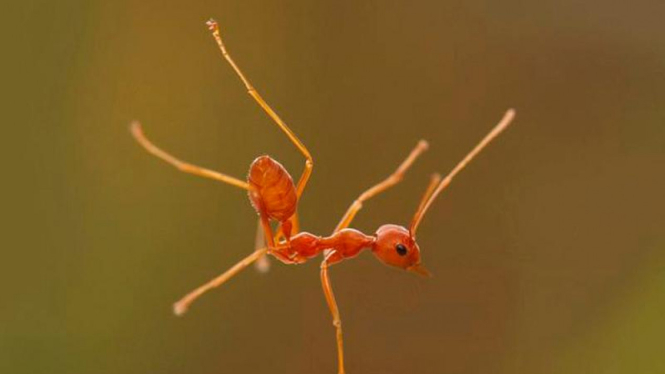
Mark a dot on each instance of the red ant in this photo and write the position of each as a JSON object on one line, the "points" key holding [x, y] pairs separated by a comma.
{"points": [[275, 197]]}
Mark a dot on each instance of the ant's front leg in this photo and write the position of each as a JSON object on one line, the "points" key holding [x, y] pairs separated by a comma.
{"points": [[332, 304]]}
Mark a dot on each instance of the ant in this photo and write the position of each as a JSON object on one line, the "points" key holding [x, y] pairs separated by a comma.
{"points": [[274, 196]]}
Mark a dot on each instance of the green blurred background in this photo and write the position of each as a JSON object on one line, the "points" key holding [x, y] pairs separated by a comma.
{"points": [[547, 252]]}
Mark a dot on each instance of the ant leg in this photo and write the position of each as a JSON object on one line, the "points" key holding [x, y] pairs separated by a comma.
{"points": [[295, 223], [287, 229], [431, 187], [267, 230], [424, 205], [262, 264], [392, 180], [182, 305], [332, 304], [137, 132], [309, 163]]}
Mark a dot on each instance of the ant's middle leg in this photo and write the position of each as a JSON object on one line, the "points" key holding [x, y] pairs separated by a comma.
{"points": [[392, 180], [309, 163]]}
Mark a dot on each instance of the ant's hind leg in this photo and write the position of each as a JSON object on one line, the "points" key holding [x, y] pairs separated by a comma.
{"points": [[392, 180], [183, 304], [263, 263], [137, 132], [309, 163]]}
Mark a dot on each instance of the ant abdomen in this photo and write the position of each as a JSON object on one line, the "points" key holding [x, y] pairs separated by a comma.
{"points": [[272, 189]]}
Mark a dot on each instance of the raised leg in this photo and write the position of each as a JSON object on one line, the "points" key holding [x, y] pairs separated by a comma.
{"points": [[137, 132], [182, 305], [425, 204], [392, 180], [337, 321], [433, 183], [309, 163]]}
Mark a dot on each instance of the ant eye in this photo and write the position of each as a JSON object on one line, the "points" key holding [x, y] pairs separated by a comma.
{"points": [[401, 249]]}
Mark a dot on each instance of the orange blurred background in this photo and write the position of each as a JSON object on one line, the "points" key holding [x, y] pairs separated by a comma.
{"points": [[547, 251]]}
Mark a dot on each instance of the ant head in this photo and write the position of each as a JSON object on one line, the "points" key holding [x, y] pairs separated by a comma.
{"points": [[395, 246]]}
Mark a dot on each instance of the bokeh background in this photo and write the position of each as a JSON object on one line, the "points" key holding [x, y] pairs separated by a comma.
{"points": [[547, 252]]}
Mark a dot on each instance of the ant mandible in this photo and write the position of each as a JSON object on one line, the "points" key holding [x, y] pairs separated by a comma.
{"points": [[275, 197]]}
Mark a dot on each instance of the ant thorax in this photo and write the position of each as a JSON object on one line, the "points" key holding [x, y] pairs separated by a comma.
{"points": [[344, 244]]}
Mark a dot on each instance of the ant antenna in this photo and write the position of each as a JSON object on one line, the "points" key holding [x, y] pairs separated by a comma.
{"points": [[431, 193], [434, 181]]}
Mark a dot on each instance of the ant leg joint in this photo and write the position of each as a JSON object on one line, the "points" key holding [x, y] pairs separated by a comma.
{"points": [[397, 178], [212, 24], [186, 168]]}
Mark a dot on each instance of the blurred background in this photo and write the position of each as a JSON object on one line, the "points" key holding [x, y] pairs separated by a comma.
{"points": [[547, 251]]}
